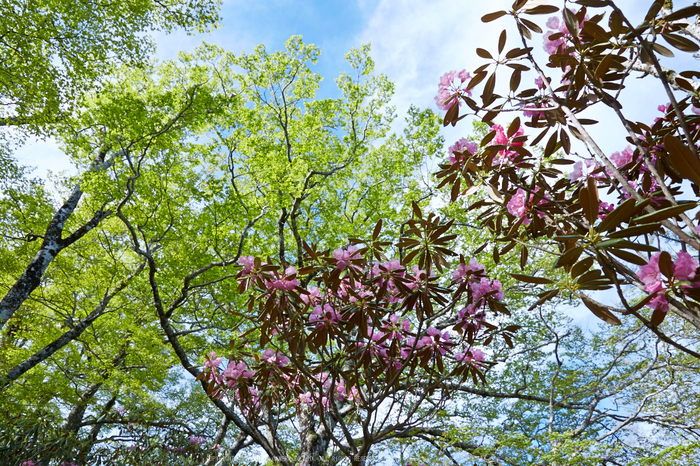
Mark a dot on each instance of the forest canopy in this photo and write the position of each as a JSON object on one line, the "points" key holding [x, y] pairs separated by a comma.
{"points": [[242, 272]]}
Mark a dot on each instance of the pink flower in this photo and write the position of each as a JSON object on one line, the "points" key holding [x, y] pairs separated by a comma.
{"points": [[659, 303], [325, 315], [212, 360], [530, 111], [197, 440], [460, 146], [419, 276], [275, 358], [396, 329], [620, 159], [582, 169], [501, 139], [604, 209], [235, 371], [344, 256], [470, 319], [684, 269], [306, 398], [436, 341], [449, 90], [517, 206], [313, 297], [248, 262], [473, 356], [484, 287], [385, 267], [285, 282], [551, 46], [685, 266], [539, 82], [650, 274], [462, 270]]}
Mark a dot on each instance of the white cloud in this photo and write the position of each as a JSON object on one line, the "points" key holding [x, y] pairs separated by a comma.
{"points": [[414, 42]]}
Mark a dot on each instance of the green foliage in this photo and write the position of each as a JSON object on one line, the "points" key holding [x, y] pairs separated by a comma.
{"points": [[52, 51]]}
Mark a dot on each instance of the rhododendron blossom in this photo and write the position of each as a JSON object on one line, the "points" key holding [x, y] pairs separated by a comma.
{"points": [[502, 139], [519, 205], [434, 340], [396, 329], [557, 25], [212, 360], [324, 315], [452, 85], [685, 266], [463, 269], [484, 287], [248, 262], [473, 356], [235, 372], [470, 319], [274, 357], [620, 159], [460, 146], [285, 281], [344, 256], [650, 274], [582, 169], [684, 269]]}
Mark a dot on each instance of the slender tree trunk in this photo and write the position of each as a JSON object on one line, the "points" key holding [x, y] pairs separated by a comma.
{"points": [[53, 244], [47, 351]]}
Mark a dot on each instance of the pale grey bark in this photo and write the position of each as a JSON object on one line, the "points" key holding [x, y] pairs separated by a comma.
{"points": [[53, 244], [220, 434], [75, 417], [47, 351]]}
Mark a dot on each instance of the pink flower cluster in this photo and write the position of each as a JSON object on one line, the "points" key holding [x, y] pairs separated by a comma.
{"points": [[324, 316], [520, 204], [502, 139], [212, 360], [470, 319], [557, 25], [478, 284], [582, 169], [275, 358], [339, 392], [198, 441], [459, 147], [360, 310], [344, 256], [684, 269], [433, 341], [285, 281], [472, 356], [452, 85]]}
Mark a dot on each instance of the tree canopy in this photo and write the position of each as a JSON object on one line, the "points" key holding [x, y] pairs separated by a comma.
{"points": [[244, 272]]}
